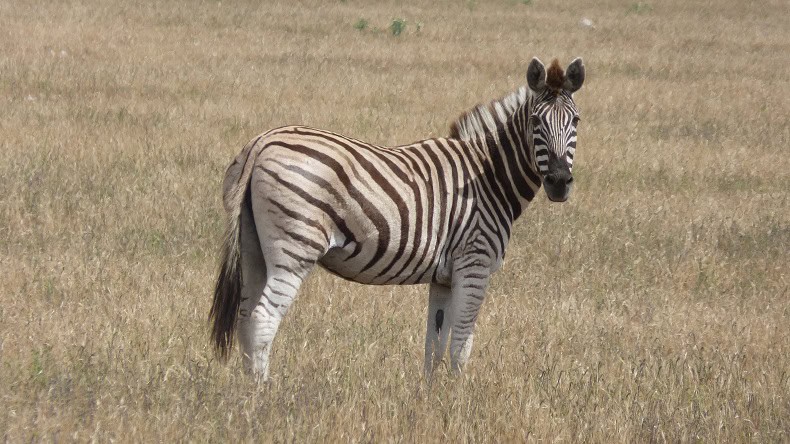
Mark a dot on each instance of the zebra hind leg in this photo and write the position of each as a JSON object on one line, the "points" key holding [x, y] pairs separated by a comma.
{"points": [[272, 273], [291, 241], [253, 275], [440, 319], [260, 315]]}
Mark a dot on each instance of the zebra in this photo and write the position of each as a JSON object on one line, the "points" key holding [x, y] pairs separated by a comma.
{"points": [[438, 211]]}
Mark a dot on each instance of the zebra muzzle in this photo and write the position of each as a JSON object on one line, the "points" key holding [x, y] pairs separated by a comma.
{"points": [[558, 186]]}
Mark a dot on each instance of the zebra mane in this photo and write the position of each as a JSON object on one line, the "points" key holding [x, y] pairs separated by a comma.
{"points": [[483, 120]]}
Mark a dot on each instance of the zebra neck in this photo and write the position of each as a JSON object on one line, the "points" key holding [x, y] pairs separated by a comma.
{"points": [[511, 162], [499, 132]]}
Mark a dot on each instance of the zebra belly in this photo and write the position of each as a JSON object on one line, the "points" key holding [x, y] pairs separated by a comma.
{"points": [[335, 261]]}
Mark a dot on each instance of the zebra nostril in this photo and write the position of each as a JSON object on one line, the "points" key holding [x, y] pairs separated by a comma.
{"points": [[550, 179], [569, 181]]}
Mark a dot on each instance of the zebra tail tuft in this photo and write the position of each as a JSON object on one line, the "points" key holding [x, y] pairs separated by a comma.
{"points": [[227, 293]]}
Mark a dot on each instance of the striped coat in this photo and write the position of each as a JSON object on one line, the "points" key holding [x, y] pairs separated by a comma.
{"points": [[439, 211]]}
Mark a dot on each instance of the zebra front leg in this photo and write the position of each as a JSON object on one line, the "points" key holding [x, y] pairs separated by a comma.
{"points": [[439, 322], [468, 288]]}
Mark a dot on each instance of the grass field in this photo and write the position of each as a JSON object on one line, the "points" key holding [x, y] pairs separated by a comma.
{"points": [[653, 306]]}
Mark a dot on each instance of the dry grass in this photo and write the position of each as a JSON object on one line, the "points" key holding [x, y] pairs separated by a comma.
{"points": [[652, 307]]}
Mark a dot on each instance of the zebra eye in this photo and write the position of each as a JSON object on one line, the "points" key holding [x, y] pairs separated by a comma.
{"points": [[575, 120], [535, 119]]}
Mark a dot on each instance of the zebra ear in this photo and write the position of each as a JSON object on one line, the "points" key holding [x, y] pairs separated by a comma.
{"points": [[536, 75], [574, 76]]}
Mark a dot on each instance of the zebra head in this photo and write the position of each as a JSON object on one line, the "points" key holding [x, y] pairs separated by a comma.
{"points": [[553, 121]]}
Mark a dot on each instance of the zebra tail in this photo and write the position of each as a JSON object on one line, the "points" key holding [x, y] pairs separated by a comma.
{"points": [[227, 292]]}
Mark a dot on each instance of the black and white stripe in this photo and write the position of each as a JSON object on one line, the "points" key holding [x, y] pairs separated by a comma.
{"points": [[438, 211], [554, 128]]}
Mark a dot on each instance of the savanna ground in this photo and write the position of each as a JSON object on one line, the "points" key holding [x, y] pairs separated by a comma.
{"points": [[653, 306]]}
